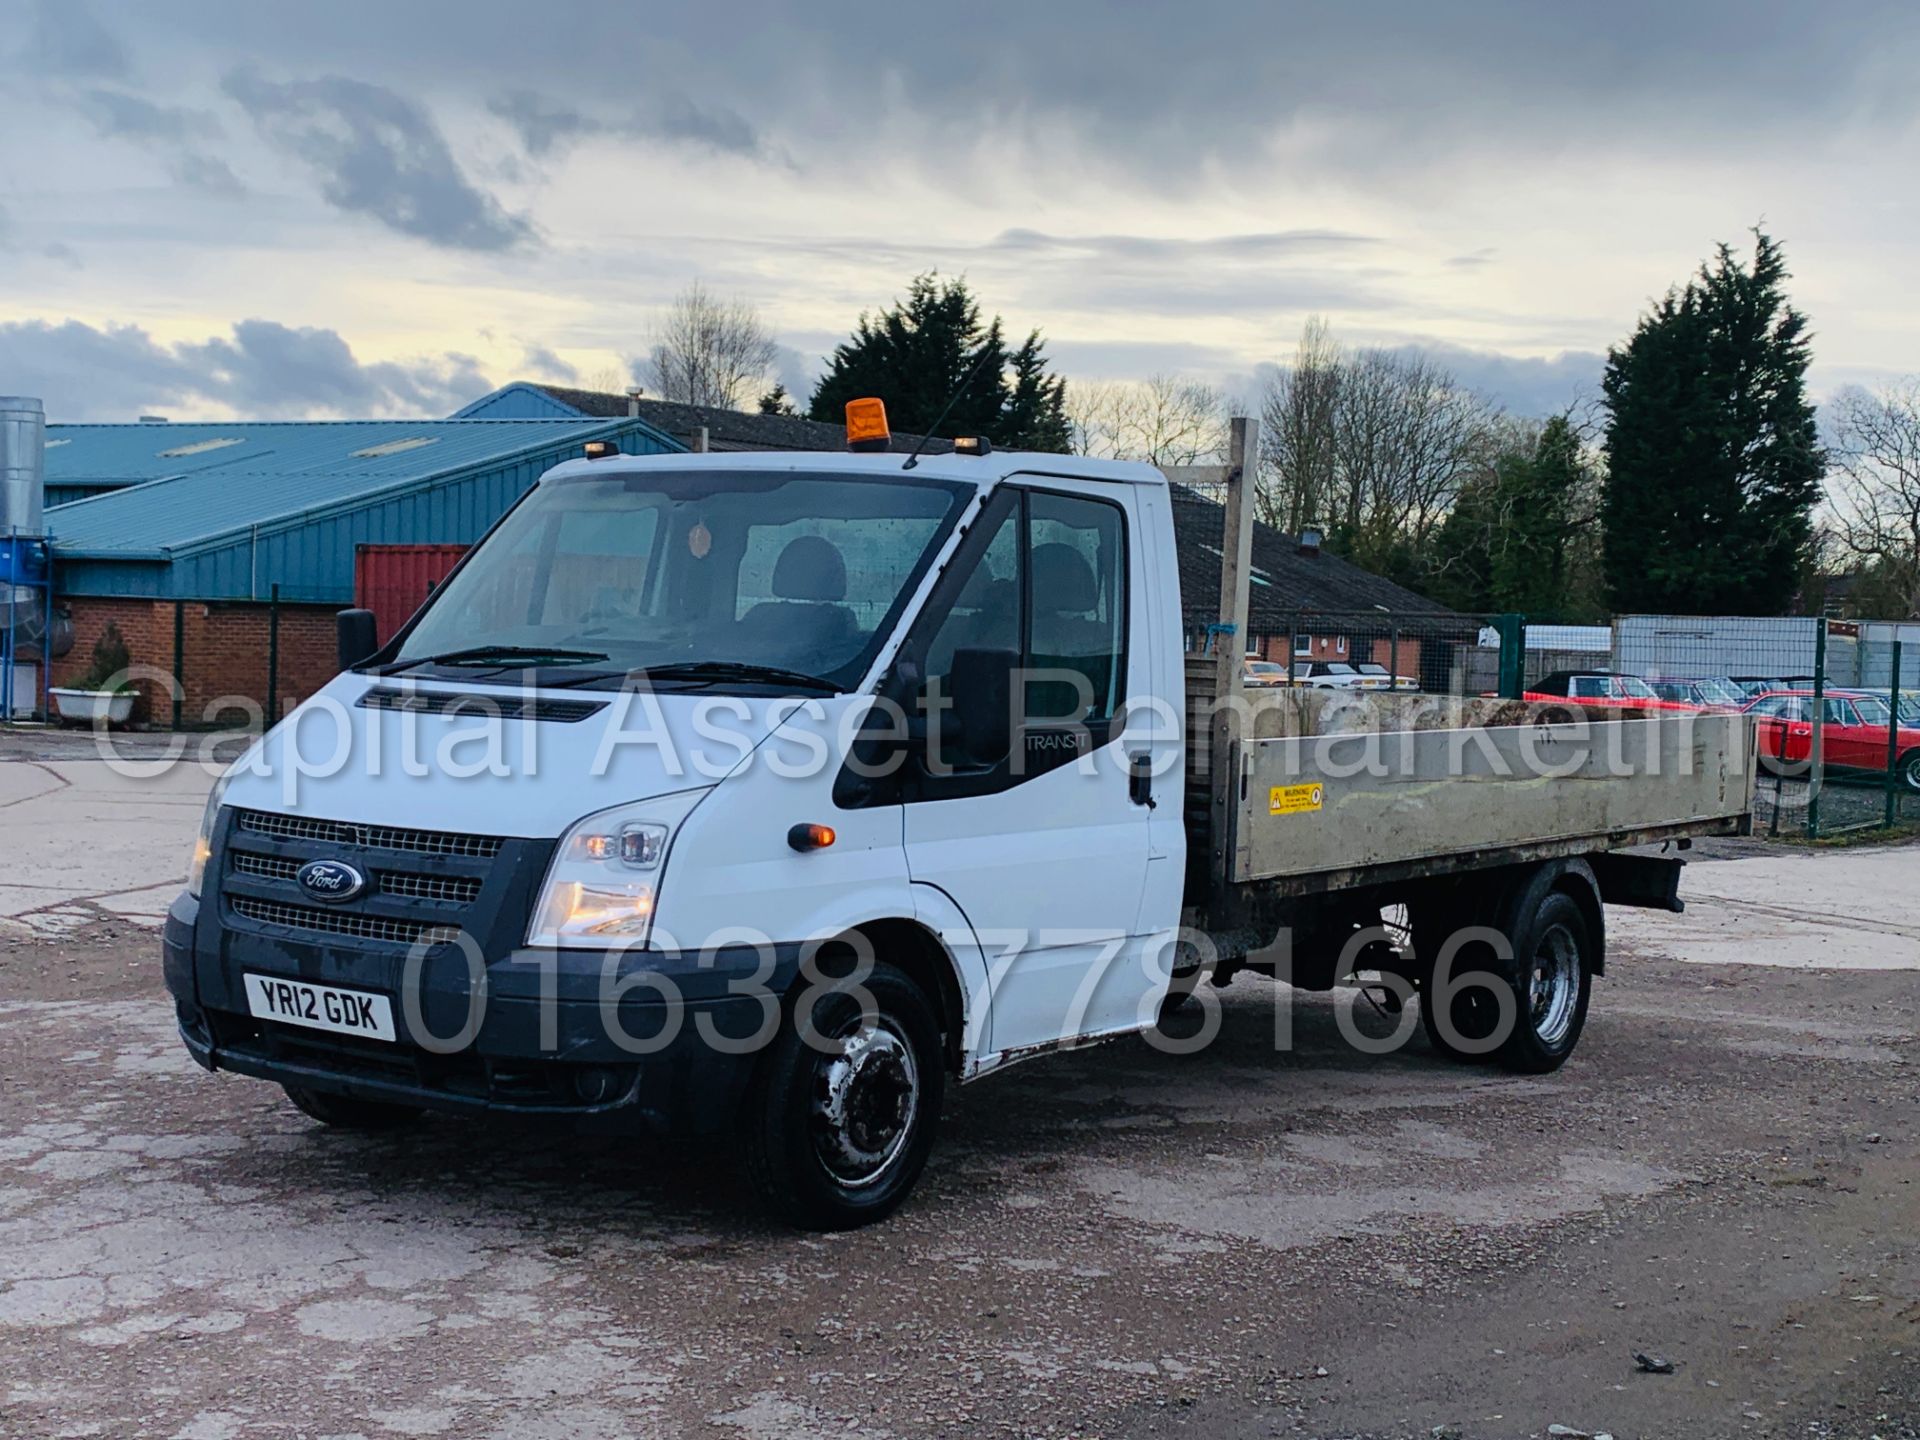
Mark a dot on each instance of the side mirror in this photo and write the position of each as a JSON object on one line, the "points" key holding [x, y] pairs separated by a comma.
{"points": [[982, 686], [357, 637]]}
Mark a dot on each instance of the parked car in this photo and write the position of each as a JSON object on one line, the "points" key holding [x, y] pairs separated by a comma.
{"points": [[1909, 701], [1259, 674], [1708, 694], [1756, 685], [1856, 734], [1602, 688], [1387, 682], [1334, 675]]}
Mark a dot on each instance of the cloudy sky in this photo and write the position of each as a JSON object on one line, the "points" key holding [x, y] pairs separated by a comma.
{"points": [[216, 208]]}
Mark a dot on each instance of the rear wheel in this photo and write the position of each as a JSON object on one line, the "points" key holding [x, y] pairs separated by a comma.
{"points": [[1526, 1012], [344, 1112], [838, 1126], [1910, 771]]}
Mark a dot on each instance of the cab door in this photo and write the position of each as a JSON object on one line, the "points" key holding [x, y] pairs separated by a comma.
{"points": [[1045, 847]]}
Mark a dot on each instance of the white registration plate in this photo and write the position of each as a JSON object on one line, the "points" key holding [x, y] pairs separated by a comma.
{"points": [[320, 1007]]}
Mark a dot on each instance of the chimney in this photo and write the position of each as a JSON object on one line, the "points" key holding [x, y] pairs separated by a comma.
{"points": [[633, 402], [1310, 538], [23, 465]]}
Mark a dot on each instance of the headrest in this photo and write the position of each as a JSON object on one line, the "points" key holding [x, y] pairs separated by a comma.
{"points": [[1062, 580], [810, 568], [981, 589]]}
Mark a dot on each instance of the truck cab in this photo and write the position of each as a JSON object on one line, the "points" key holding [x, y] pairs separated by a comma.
{"points": [[690, 746]]}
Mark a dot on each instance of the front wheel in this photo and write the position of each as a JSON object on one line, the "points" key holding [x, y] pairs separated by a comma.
{"points": [[842, 1114], [1910, 772]]}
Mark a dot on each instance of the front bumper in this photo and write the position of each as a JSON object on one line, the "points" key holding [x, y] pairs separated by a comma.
{"points": [[664, 1043]]}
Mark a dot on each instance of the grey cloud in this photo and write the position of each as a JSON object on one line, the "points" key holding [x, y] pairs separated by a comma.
{"points": [[1160, 90], [1524, 384], [209, 173], [378, 154], [539, 360], [263, 370], [544, 125], [65, 40], [541, 124], [124, 115], [714, 126]]}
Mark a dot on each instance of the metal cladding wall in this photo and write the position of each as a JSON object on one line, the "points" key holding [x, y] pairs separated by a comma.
{"points": [[311, 556], [393, 581]]}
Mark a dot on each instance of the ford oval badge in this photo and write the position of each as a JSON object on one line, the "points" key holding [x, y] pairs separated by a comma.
{"points": [[330, 880]]}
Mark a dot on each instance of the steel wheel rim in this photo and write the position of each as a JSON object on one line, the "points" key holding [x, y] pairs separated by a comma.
{"points": [[866, 1099], [1553, 986]]}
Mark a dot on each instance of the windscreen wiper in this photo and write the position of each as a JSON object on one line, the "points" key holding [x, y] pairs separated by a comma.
{"points": [[499, 655], [719, 670]]}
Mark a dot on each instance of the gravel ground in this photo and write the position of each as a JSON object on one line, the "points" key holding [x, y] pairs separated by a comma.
{"points": [[1111, 1243]]}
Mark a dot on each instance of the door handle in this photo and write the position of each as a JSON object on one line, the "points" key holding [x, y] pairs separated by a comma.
{"points": [[1140, 780]]}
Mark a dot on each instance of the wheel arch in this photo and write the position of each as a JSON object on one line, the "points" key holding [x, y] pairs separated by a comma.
{"points": [[1575, 879], [920, 953]]}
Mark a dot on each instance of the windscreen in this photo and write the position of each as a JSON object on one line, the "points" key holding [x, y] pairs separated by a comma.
{"points": [[633, 570]]}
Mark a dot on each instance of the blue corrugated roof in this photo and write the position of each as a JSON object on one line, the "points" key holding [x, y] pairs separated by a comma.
{"points": [[187, 485]]}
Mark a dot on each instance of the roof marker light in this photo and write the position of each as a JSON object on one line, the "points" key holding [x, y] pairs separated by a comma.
{"points": [[972, 445], [600, 449], [867, 424]]}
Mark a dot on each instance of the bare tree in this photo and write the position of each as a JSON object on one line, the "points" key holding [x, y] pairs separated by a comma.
{"points": [[1876, 488], [608, 380], [1372, 444], [708, 351], [1163, 420]]}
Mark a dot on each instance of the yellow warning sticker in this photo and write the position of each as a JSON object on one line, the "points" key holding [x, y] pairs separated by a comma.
{"points": [[1295, 799]]}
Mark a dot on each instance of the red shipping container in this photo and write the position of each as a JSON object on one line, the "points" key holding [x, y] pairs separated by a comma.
{"points": [[393, 581]]}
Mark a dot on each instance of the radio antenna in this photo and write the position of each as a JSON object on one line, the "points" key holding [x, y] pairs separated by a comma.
{"points": [[986, 350]]}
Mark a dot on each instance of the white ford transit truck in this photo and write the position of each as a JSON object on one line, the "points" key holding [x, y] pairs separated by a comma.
{"points": [[763, 795]]}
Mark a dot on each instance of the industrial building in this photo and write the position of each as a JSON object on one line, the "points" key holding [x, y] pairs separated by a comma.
{"points": [[220, 551]]}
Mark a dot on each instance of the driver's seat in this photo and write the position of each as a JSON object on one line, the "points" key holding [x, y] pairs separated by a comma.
{"points": [[805, 625]]}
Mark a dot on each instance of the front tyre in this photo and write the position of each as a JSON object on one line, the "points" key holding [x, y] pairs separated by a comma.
{"points": [[343, 1112], [842, 1113]]}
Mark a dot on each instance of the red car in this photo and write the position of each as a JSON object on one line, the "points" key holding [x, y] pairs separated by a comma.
{"points": [[1856, 737], [1605, 690]]}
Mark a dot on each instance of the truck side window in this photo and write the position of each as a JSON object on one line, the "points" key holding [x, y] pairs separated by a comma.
{"points": [[1076, 642], [986, 612]]}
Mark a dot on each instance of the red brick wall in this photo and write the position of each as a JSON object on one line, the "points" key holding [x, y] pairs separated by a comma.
{"points": [[224, 653]]}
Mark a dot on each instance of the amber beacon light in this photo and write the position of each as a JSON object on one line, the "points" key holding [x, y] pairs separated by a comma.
{"points": [[867, 424]]}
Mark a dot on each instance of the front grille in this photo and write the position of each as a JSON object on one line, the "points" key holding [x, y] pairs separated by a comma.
{"points": [[457, 889], [343, 922], [374, 837], [488, 706], [267, 867]]}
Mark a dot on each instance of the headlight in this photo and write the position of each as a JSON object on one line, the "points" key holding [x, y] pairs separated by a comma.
{"points": [[604, 880], [203, 843]]}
